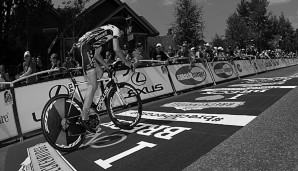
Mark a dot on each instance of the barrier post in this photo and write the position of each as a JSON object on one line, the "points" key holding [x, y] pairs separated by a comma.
{"points": [[235, 68], [207, 66], [171, 81], [15, 112]]}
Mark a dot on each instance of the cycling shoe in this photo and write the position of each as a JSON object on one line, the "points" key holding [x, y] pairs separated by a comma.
{"points": [[94, 121], [88, 125]]}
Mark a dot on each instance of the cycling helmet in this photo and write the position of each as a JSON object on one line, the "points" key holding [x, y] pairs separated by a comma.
{"points": [[120, 22]]}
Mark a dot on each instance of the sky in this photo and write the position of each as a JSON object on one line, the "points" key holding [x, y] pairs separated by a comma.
{"points": [[160, 13]]}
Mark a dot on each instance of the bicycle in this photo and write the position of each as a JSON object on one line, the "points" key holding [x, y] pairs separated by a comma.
{"points": [[60, 115]]}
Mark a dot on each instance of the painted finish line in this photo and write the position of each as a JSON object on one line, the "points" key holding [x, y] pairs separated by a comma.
{"points": [[221, 119]]}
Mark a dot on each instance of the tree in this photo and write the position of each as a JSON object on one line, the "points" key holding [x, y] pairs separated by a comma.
{"points": [[219, 41], [27, 15], [250, 22], [286, 30], [19, 20], [237, 32], [5, 20], [69, 13], [188, 25]]}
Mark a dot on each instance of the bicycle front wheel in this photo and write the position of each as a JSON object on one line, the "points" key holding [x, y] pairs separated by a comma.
{"points": [[124, 106], [59, 117]]}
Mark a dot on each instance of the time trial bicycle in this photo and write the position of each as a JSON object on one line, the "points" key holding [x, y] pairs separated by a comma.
{"points": [[60, 115]]}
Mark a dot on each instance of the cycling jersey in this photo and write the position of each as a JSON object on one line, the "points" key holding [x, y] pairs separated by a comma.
{"points": [[94, 39]]}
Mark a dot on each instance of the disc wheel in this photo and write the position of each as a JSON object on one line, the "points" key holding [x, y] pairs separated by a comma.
{"points": [[59, 123]]}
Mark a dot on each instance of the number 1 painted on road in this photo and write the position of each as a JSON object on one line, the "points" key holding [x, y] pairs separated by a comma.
{"points": [[107, 163]]}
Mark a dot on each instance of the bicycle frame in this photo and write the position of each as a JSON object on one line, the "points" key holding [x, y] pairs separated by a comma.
{"points": [[74, 88]]}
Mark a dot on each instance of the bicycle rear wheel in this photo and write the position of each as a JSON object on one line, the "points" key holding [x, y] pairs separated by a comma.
{"points": [[124, 106], [59, 123]]}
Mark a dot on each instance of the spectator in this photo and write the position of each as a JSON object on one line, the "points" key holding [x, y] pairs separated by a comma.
{"points": [[171, 52], [55, 63], [237, 53], [230, 54], [110, 57], [29, 67], [215, 51], [265, 54], [24, 67], [4, 75], [192, 56], [242, 53], [200, 55], [159, 54], [220, 53], [139, 54], [127, 53], [182, 53], [208, 52], [33, 59], [39, 66], [69, 62], [125, 50], [251, 53], [150, 50]]}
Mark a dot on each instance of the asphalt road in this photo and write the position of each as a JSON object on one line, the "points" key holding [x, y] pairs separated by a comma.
{"points": [[246, 124]]}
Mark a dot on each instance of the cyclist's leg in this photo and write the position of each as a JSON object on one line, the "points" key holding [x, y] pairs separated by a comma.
{"points": [[90, 73], [99, 71], [91, 77]]}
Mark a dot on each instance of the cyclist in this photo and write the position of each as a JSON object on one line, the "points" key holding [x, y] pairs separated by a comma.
{"points": [[90, 46]]}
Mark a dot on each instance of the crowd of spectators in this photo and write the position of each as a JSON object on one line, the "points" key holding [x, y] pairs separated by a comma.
{"points": [[31, 65], [141, 57], [208, 53]]}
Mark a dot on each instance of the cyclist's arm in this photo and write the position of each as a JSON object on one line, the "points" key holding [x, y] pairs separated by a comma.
{"points": [[119, 52], [99, 58]]}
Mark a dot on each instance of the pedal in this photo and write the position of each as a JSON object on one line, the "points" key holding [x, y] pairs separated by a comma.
{"points": [[94, 121]]}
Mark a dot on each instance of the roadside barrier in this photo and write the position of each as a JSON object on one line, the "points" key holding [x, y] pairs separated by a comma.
{"points": [[21, 106]]}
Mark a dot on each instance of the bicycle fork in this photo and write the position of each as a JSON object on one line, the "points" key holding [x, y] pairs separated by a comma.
{"points": [[120, 97]]}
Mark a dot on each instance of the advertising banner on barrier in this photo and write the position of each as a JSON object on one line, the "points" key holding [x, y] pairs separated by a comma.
{"points": [[245, 67], [8, 127], [291, 61], [31, 99], [259, 65], [280, 63], [269, 64], [286, 61], [185, 77], [223, 70], [149, 81]]}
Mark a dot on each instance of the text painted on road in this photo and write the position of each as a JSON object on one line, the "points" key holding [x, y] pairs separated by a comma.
{"points": [[222, 119], [202, 105]]}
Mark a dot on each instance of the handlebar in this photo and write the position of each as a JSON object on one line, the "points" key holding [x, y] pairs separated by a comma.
{"points": [[112, 69]]}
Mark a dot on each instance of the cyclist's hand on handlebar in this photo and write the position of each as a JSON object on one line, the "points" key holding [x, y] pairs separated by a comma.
{"points": [[128, 63]]}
